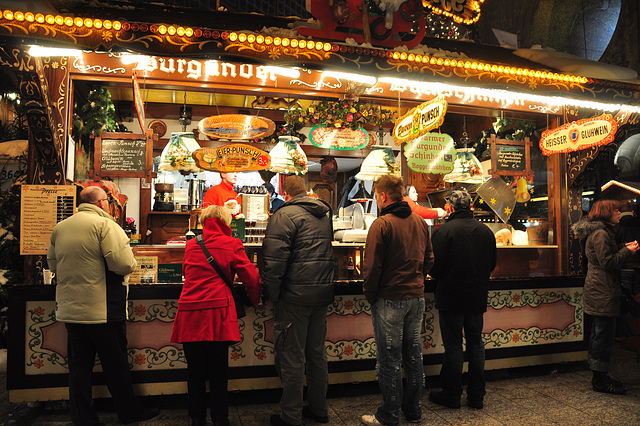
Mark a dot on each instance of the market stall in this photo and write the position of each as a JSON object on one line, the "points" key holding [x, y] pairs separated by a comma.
{"points": [[418, 106]]}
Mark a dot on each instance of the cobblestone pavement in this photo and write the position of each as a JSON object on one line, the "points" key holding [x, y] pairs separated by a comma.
{"points": [[546, 395]]}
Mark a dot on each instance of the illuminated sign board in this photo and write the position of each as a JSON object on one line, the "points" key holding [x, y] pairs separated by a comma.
{"points": [[581, 134], [340, 139], [236, 126], [432, 153], [420, 120], [237, 157]]}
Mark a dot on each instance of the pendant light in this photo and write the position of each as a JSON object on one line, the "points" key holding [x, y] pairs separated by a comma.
{"points": [[379, 162], [466, 167], [176, 155], [288, 157]]}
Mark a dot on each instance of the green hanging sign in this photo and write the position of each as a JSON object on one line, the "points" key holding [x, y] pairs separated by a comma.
{"points": [[431, 153]]}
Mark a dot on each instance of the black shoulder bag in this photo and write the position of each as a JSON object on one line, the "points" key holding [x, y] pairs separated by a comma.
{"points": [[239, 293]]}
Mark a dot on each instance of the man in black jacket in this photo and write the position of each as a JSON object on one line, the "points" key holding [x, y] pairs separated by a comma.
{"points": [[465, 254], [297, 276]]}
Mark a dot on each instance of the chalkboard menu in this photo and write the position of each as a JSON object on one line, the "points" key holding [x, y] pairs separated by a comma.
{"points": [[123, 154], [510, 157]]}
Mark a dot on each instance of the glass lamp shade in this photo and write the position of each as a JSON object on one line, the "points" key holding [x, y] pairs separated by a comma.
{"points": [[466, 168], [379, 162], [176, 156], [288, 157]]}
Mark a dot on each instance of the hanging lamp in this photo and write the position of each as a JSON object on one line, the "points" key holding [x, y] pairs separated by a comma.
{"points": [[379, 162], [466, 167], [176, 156], [288, 157]]}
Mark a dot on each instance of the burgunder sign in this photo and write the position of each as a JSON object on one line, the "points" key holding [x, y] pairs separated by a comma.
{"points": [[432, 153], [419, 120], [581, 134]]}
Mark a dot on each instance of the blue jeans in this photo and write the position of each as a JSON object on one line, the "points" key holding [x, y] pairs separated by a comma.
{"points": [[396, 329], [451, 326], [603, 334]]}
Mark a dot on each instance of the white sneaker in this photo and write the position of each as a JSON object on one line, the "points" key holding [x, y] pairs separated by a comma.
{"points": [[370, 419]]}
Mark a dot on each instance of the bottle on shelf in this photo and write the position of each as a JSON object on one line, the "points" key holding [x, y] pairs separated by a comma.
{"points": [[351, 267]]}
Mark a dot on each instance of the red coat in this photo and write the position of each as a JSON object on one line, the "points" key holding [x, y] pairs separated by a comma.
{"points": [[423, 212], [206, 310], [218, 195]]}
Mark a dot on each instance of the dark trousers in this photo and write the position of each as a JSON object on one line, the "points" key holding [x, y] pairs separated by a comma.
{"points": [[603, 335], [451, 326], [109, 341], [207, 361], [299, 334]]}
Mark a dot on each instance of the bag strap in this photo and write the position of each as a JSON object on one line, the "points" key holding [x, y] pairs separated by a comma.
{"points": [[212, 261]]}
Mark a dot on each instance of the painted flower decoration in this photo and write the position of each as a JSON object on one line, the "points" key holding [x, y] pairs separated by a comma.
{"points": [[140, 359], [38, 363], [139, 310], [348, 350], [39, 311]]}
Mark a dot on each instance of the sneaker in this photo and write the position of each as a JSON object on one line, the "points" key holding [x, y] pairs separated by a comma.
{"points": [[370, 419], [306, 412], [438, 397], [276, 420]]}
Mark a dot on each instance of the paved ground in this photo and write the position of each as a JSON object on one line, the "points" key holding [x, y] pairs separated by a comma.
{"points": [[550, 395]]}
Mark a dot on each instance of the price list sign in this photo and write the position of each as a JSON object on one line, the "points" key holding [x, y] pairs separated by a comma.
{"points": [[41, 208]]}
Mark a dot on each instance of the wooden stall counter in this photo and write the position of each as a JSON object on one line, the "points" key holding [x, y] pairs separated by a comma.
{"points": [[530, 321]]}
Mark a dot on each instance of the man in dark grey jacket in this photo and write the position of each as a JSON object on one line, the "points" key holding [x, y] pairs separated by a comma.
{"points": [[297, 276], [465, 255]]}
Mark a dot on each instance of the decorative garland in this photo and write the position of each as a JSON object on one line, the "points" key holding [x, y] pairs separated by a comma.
{"points": [[341, 114]]}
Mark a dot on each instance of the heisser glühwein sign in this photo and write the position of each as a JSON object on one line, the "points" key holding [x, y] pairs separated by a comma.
{"points": [[577, 135]]}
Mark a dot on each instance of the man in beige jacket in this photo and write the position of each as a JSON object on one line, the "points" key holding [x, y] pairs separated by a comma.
{"points": [[91, 257]]}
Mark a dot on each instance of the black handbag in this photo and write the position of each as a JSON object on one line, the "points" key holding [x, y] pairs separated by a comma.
{"points": [[240, 296]]}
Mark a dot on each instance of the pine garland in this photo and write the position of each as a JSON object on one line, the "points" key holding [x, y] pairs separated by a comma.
{"points": [[340, 114]]}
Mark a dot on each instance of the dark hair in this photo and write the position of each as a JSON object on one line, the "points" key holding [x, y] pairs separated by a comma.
{"points": [[294, 185], [269, 187], [390, 185], [603, 210]]}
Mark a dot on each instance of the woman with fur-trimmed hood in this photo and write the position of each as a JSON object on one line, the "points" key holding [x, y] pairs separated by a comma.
{"points": [[602, 291]]}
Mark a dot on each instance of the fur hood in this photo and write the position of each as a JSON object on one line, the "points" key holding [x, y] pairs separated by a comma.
{"points": [[585, 227]]}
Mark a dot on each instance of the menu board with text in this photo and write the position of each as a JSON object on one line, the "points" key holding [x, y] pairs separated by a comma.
{"points": [[41, 208], [146, 271]]}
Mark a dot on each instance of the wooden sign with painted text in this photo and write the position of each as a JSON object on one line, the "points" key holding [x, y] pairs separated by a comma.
{"points": [[340, 139], [420, 120], [237, 157], [236, 126], [581, 134]]}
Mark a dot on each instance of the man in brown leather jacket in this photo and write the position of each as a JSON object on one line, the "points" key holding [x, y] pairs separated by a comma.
{"points": [[397, 258]]}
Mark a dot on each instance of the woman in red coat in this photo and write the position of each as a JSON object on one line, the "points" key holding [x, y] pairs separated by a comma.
{"points": [[206, 322]]}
